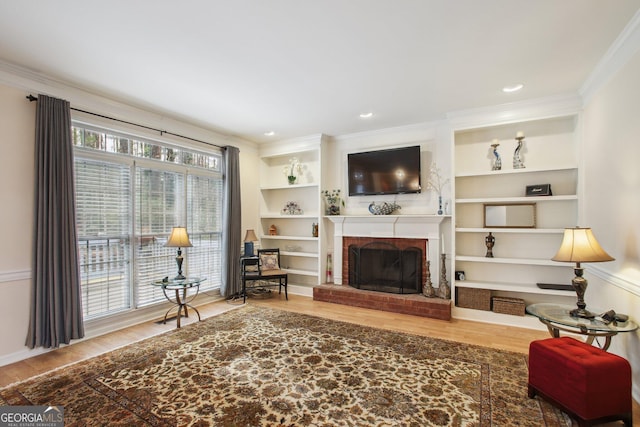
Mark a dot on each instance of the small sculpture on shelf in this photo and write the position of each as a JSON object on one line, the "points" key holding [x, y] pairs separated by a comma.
{"points": [[489, 241], [517, 161], [497, 161], [384, 208], [292, 208], [273, 230]]}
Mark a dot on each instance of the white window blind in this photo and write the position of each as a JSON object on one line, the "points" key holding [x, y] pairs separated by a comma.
{"points": [[126, 212], [103, 213], [204, 216], [159, 207]]}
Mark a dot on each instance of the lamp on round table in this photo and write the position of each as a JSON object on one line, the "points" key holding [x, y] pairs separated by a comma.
{"points": [[580, 245], [179, 238]]}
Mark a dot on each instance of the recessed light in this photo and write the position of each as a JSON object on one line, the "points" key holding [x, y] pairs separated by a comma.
{"points": [[366, 115], [270, 133], [513, 88]]}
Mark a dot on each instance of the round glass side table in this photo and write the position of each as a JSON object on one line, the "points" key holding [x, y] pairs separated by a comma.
{"points": [[558, 318]]}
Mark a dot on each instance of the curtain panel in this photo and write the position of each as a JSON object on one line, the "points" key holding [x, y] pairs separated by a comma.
{"points": [[232, 224], [56, 305]]}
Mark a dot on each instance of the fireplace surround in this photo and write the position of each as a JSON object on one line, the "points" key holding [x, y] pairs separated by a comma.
{"points": [[404, 231]]}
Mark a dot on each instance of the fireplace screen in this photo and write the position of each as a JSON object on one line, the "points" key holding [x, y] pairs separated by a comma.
{"points": [[384, 267]]}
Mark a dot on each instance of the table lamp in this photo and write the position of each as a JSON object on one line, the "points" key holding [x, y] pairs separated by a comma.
{"points": [[179, 239], [580, 245], [249, 238]]}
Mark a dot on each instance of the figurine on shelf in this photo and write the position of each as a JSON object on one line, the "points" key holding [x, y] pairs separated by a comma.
{"points": [[497, 161], [517, 161], [273, 230], [489, 241]]}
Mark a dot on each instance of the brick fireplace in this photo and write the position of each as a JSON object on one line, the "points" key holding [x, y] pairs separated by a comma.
{"points": [[403, 231]]}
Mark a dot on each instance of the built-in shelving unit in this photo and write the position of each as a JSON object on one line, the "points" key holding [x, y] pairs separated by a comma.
{"points": [[521, 256], [300, 250]]}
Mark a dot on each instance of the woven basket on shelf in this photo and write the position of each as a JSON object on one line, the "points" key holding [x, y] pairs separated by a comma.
{"points": [[479, 299], [507, 305]]}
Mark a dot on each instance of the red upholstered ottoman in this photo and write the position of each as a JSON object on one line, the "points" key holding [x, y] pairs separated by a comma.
{"points": [[587, 383]]}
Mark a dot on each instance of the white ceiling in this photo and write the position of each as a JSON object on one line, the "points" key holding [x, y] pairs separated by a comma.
{"points": [[302, 67]]}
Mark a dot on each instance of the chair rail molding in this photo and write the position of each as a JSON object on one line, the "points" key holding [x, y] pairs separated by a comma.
{"points": [[614, 279], [14, 276]]}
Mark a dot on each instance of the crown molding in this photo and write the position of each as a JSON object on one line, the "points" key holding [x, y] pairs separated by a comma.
{"points": [[533, 109], [425, 130], [619, 53], [293, 145], [31, 81]]}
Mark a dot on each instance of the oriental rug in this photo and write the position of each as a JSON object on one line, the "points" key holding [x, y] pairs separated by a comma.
{"points": [[257, 366]]}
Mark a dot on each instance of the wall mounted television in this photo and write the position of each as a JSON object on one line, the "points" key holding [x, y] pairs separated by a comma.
{"points": [[393, 171]]}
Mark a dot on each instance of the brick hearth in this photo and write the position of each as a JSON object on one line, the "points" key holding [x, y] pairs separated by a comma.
{"points": [[415, 304]]}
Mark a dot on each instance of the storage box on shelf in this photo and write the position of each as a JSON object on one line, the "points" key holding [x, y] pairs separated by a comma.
{"points": [[292, 230], [521, 256], [508, 305]]}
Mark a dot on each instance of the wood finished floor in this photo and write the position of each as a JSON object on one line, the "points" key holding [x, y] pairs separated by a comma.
{"points": [[488, 335]]}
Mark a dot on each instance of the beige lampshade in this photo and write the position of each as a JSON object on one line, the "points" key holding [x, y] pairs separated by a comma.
{"points": [[580, 245], [179, 238], [250, 236]]}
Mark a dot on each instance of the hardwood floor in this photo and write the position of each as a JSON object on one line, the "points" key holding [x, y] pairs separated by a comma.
{"points": [[484, 334]]}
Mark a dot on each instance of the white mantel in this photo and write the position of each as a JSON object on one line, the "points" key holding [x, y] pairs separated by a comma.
{"points": [[398, 226]]}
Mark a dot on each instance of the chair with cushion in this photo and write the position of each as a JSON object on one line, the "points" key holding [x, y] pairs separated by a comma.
{"points": [[266, 269], [589, 384]]}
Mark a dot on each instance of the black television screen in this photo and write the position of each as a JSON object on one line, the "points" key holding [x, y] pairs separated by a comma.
{"points": [[394, 171]]}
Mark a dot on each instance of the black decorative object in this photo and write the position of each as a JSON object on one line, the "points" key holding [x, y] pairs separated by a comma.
{"points": [[489, 241], [539, 190]]}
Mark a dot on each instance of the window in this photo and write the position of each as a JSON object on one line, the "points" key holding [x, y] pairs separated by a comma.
{"points": [[130, 192]]}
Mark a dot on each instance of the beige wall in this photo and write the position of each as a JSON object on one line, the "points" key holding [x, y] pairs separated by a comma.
{"points": [[611, 161], [17, 118]]}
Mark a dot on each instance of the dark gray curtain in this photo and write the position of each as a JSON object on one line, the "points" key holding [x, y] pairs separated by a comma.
{"points": [[56, 305], [232, 224]]}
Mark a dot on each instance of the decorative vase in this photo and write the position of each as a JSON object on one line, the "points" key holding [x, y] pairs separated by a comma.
{"points": [[333, 208], [440, 212], [329, 276], [332, 202], [489, 241], [291, 179]]}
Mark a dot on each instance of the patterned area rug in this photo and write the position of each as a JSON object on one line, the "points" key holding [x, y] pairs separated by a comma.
{"points": [[257, 366]]}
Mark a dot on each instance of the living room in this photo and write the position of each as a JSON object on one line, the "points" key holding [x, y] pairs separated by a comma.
{"points": [[604, 106]]}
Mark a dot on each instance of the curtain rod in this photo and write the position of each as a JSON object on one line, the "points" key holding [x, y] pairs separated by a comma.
{"points": [[32, 98]]}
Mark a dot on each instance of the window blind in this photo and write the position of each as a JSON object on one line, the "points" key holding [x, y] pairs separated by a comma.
{"points": [[126, 209]]}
